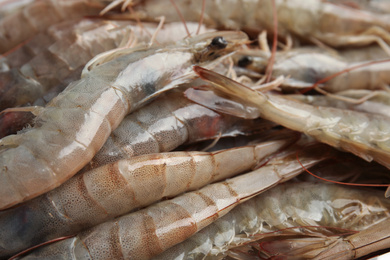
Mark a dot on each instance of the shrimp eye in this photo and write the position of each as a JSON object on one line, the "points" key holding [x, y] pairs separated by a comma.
{"points": [[219, 42], [244, 61]]}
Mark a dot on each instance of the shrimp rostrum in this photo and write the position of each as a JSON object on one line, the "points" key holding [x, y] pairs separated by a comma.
{"points": [[365, 135], [73, 126]]}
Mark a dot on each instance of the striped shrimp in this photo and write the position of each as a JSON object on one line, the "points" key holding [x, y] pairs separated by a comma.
{"points": [[315, 20], [37, 16], [179, 121], [274, 213], [148, 232], [365, 135], [126, 184], [307, 67], [70, 130]]}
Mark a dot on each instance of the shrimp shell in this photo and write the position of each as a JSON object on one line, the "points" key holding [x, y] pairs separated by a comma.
{"points": [[71, 129], [148, 232]]}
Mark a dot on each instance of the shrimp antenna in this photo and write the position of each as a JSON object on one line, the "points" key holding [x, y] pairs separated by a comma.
{"points": [[338, 182], [201, 16], [342, 72], [275, 41], [181, 17]]}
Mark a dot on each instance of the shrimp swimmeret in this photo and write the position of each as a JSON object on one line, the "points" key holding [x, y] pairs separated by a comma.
{"points": [[73, 126]]}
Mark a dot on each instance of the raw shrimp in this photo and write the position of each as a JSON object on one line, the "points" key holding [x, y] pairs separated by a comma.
{"points": [[365, 135], [331, 24], [337, 247], [148, 232], [275, 212], [37, 16], [70, 130], [179, 121], [306, 67], [378, 103], [72, 51], [126, 185]]}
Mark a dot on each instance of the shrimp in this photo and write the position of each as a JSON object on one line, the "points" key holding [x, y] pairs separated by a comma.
{"points": [[70, 130], [377, 103], [47, 70], [315, 20], [179, 121], [148, 232], [126, 185], [275, 212], [307, 68], [340, 247], [365, 135], [37, 16]]}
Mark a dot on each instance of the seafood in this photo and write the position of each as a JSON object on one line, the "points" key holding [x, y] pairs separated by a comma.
{"points": [[179, 121], [306, 68], [70, 130], [365, 135], [325, 22], [169, 222], [341, 247], [378, 102], [126, 185], [277, 211], [37, 16]]}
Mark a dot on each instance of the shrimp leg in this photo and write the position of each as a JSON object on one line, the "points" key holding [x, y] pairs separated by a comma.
{"points": [[148, 232], [70, 130]]}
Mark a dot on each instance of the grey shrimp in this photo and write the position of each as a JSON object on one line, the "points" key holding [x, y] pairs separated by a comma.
{"points": [[365, 135], [325, 22], [127, 185], [288, 205], [70, 130], [170, 222]]}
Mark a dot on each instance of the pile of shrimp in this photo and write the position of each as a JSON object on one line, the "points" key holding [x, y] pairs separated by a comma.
{"points": [[149, 129]]}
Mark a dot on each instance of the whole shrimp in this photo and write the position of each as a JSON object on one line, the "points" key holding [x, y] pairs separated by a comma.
{"points": [[37, 16], [179, 121], [275, 213], [365, 135], [126, 184], [306, 67], [148, 232], [49, 72], [316, 20], [74, 126]]}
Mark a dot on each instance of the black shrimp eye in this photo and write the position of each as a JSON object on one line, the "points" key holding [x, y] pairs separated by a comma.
{"points": [[244, 61], [219, 42]]}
